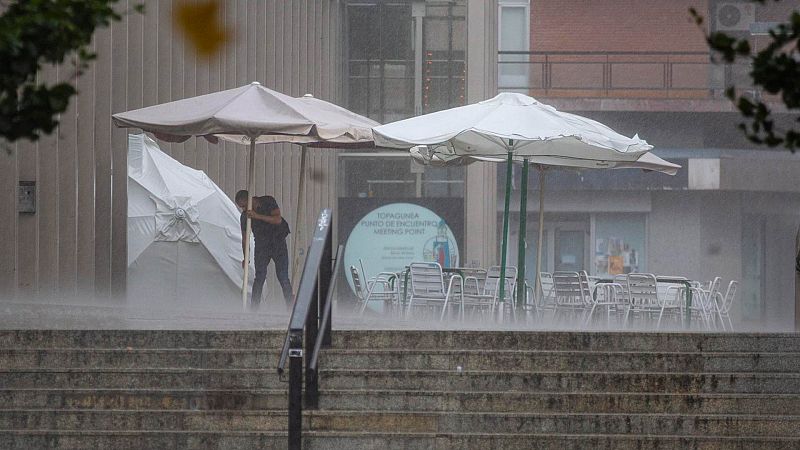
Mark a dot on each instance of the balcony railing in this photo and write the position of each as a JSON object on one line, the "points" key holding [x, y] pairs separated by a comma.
{"points": [[683, 75]]}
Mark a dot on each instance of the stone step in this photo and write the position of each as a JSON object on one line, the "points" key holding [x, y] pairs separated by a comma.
{"points": [[423, 339], [428, 380], [145, 420], [503, 381], [534, 360], [405, 422], [406, 359], [138, 399], [557, 423], [124, 440], [103, 378], [563, 340], [139, 358], [161, 339], [561, 402], [247, 399]]}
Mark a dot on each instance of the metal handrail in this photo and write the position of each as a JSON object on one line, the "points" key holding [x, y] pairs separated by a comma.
{"points": [[315, 282], [326, 314], [602, 83]]}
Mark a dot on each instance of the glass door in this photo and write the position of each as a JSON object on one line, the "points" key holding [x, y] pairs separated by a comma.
{"points": [[570, 250]]}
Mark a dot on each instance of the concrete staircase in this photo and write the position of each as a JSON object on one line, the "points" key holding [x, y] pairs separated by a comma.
{"points": [[402, 389]]}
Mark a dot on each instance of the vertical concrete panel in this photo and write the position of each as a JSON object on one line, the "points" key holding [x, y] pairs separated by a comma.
{"points": [[150, 54], [270, 43], [213, 170], [102, 166], [190, 90], [303, 49], [202, 67], [67, 191], [86, 167], [164, 43], [49, 204], [176, 87], [8, 221], [119, 150], [27, 232]]}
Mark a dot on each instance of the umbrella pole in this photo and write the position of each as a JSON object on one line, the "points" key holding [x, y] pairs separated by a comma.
{"points": [[251, 175], [538, 289], [501, 297], [523, 203], [300, 204]]}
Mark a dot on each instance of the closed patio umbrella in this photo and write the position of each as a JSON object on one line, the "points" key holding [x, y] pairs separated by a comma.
{"points": [[250, 115], [513, 127]]}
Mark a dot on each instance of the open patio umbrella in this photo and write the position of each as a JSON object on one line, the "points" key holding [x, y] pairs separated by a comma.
{"points": [[511, 126], [250, 115], [648, 162]]}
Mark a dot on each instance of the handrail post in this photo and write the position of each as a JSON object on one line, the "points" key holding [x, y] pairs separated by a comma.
{"points": [[295, 390], [326, 282], [312, 330], [305, 321]]}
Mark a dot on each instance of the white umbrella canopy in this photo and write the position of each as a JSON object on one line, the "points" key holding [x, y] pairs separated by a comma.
{"points": [[512, 123], [250, 115], [510, 127], [170, 202], [647, 162]]}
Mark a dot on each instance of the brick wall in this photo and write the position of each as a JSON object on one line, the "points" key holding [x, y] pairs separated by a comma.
{"points": [[616, 25]]}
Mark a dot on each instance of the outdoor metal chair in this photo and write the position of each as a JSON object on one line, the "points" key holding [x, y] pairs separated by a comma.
{"points": [[486, 299], [724, 304], [643, 296], [704, 303], [609, 296], [570, 295], [672, 303], [383, 287], [428, 288]]}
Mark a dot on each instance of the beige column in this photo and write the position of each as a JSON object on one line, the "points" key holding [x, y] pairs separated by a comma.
{"points": [[480, 196]]}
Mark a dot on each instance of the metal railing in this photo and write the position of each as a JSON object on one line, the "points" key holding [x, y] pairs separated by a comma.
{"points": [[618, 74], [307, 328]]}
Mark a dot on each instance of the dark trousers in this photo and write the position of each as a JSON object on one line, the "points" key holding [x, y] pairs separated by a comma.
{"points": [[263, 255]]}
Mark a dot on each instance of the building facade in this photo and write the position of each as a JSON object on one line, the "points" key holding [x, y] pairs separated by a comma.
{"points": [[644, 67], [385, 59], [639, 66]]}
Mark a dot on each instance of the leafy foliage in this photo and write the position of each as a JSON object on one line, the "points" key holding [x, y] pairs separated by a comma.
{"points": [[775, 69], [38, 32]]}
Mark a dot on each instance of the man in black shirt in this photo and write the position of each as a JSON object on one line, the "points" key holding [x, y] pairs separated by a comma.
{"points": [[270, 231]]}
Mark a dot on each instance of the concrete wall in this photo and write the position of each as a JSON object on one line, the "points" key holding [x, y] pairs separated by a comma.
{"points": [[699, 235], [75, 244], [481, 179]]}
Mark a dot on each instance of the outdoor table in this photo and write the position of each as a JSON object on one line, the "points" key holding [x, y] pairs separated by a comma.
{"points": [[687, 285], [660, 279]]}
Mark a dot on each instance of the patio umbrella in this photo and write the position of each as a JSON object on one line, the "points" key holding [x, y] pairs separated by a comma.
{"points": [[250, 115], [511, 126], [648, 162]]}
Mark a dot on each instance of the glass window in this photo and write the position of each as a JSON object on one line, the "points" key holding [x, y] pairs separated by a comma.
{"points": [[392, 177], [619, 244], [513, 37], [381, 60], [444, 58]]}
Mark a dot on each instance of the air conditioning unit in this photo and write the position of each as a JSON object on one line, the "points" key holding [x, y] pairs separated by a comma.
{"points": [[734, 16]]}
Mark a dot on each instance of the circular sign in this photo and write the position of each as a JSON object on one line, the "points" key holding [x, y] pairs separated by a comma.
{"points": [[393, 236]]}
